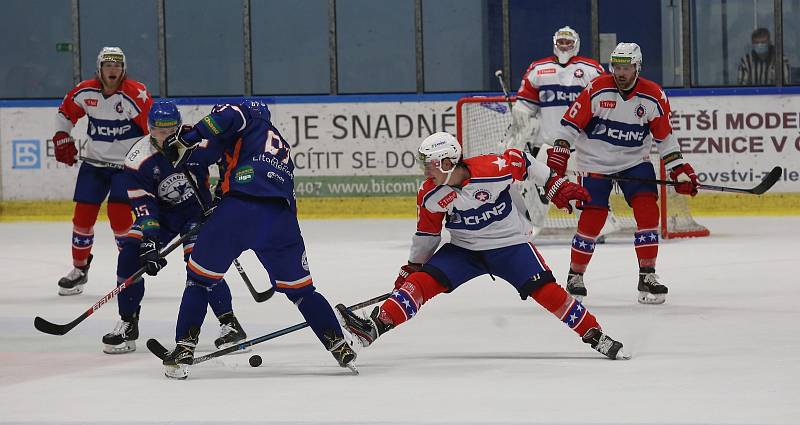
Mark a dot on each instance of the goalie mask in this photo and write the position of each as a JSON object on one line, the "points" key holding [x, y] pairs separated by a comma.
{"points": [[566, 35], [110, 54], [436, 148]]}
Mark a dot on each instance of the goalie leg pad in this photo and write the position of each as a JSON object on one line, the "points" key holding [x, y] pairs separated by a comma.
{"points": [[405, 302], [645, 211], [566, 308], [583, 243], [83, 219]]}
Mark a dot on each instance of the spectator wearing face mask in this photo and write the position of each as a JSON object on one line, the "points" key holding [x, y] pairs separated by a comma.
{"points": [[757, 68]]}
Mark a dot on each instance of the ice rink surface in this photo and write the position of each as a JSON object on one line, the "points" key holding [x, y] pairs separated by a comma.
{"points": [[724, 349]]}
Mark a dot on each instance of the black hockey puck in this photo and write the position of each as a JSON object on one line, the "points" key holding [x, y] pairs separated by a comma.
{"points": [[255, 360]]}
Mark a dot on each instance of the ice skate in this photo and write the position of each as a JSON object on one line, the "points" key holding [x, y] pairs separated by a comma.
{"points": [[123, 338], [342, 350], [177, 362], [605, 345], [367, 330], [230, 332], [650, 290], [72, 283], [575, 285]]}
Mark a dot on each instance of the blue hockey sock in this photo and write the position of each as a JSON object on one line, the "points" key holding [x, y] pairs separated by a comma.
{"points": [[220, 298], [318, 313], [193, 309]]}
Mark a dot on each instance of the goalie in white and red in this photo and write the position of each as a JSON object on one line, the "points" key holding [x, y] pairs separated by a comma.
{"points": [[610, 125], [488, 235]]}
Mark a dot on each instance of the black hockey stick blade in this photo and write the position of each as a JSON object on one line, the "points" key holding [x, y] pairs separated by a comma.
{"points": [[51, 328], [260, 297], [769, 180], [157, 349]]}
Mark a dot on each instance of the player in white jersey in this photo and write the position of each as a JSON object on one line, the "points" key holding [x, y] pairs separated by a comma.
{"points": [[610, 125], [548, 87], [488, 235], [117, 109]]}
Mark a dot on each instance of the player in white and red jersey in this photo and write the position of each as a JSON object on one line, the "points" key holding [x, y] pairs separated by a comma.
{"points": [[548, 87], [117, 109], [471, 198], [610, 125]]}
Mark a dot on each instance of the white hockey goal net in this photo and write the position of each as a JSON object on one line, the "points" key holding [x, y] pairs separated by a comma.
{"points": [[481, 125]]}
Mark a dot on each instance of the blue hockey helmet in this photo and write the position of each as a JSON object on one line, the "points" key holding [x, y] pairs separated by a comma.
{"points": [[256, 109], [163, 114]]}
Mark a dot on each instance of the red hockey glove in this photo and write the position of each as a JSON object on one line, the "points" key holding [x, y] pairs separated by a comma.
{"points": [[685, 187], [65, 148], [560, 191], [557, 158], [406, 271]]}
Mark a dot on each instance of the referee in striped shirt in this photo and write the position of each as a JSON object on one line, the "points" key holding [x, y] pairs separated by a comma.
{"points": [[757, 68]]}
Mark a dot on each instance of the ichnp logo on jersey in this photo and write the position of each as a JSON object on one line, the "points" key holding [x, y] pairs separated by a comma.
{"points": [[174, 189], [483, 195], [640, 111]]}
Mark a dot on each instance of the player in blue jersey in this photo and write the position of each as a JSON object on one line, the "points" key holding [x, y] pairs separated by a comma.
{"points": [[257, 212], [165, 206]]}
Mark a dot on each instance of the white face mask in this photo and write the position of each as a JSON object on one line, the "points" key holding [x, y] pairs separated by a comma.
{"points": [[761, 48]]}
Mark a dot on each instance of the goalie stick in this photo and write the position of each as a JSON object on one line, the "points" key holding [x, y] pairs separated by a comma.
{"points": [[260, 297], [766, 183], [160, 351], [55, 329]]}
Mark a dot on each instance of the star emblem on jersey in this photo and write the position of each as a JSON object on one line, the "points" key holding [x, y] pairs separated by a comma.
{"points": [[640, 111], [500, 162], [142, 95], [482, 195], [578, 73]]}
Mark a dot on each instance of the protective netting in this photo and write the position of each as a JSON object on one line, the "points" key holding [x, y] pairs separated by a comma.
{"points": [[482, 125]]}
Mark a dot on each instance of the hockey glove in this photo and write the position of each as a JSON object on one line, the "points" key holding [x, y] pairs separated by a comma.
{"points": [[177, 148], [149, 257], [65, 148], [560, 191], [684, 186], [405, 272], [557, 158]]}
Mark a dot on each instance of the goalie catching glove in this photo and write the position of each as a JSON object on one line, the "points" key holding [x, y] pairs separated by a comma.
{"points": [[560, 191], [177, 148], [405, 272], [684, 186]]}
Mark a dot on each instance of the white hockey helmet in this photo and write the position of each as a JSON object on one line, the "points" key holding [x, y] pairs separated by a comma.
{"points": [[626, 53], [568, 34], [111, 54], [440, 146]]}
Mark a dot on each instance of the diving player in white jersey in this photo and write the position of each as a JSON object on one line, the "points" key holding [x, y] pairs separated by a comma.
{"points": [[608, 126], [471, 198], [548, 87]]}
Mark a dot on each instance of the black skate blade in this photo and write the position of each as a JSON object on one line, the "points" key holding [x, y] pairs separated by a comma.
{"points": [[157, 349]]}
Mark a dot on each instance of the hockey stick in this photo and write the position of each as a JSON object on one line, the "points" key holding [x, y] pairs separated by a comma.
{"points": [[101, 163], [499, 75], [766, 183], [160, 351], [260, 297], [56, 329]]}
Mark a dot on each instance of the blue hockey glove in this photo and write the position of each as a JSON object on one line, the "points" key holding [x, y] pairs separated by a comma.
{"points": [[149, 257]]}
